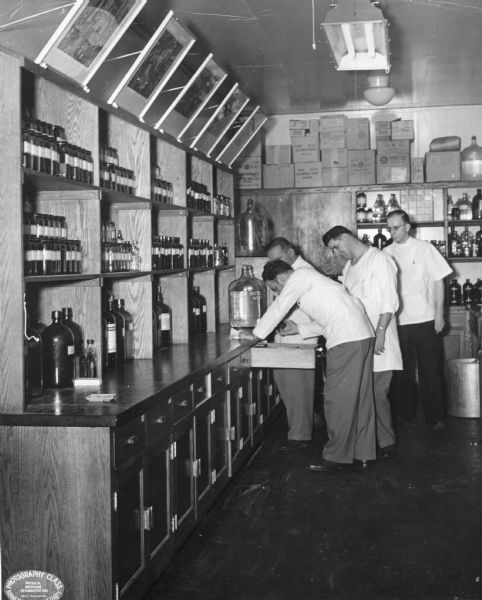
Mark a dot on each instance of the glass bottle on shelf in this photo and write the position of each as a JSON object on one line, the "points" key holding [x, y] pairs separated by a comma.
{"points": [[67, 314], [466, 241], [471, 159], [109, 350], [164, 321], [33, 356], [392, 204], [477, 205], [478, 291], [467, 292], [58, 354], [379, 240], [251, 231], [478, 241], [453, 242], [361, 204], [89, 360], [194, 314], [366, 240], [455, 293], [379, 209], [369, 215], [119, 304], [450, 207], [247, 299], [465, 207], [203, 309]]}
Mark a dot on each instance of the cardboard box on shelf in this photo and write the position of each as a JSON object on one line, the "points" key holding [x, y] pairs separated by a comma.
{"points": [[278, 176], [334, 157], [402, 130], [308, 174], [416, 170], [278, 155], [361, 167], [306, 149], [442, 166], [334, 176], [333, 132], [248, 173], [308, 126], [383, 130], [358, 134], [393, 161]]}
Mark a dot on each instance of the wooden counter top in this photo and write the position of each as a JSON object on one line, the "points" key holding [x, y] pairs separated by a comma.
{"points": [[139, 384]]}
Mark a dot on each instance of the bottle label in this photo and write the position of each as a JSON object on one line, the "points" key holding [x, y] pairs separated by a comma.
{"points": [[111, 338], [204, 308], [165, 322], [130, 326], [197, 312], [70, 350]]}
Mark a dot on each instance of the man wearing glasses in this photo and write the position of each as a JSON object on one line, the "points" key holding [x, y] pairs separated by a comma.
{"points": [[421, 272], [371, 276]]}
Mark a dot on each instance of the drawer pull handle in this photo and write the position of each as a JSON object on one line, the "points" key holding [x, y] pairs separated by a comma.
{"points": [[184, 403], [133, 440], [220, 379], [200, 390], [161, 420]]}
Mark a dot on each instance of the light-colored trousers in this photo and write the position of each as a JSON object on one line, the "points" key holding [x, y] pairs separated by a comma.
{"points": [[381, 384], [297, 389], [349, 404]]}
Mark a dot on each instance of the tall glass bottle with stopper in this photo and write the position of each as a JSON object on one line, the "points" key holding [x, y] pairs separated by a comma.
{"points": [[58, 353], [251, 231], [247, 299], [379, 209], [392, 204]]}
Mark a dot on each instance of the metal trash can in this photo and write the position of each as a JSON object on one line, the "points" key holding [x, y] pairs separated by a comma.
{"points": [[463, 388]]}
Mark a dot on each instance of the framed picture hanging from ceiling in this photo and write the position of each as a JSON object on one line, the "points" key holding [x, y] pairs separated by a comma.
{"points": [[86, 36], [153, 68]]}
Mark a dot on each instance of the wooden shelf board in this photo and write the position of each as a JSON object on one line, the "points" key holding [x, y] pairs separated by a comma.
{"points": [[125, 274], [57, 278], [166, 272], [38, 181]]}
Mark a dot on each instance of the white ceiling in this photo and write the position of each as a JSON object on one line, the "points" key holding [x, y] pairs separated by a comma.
{"points": [[266, 45]]}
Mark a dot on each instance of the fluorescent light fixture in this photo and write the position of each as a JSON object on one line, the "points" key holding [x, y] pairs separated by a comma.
{"points": [[357, 35]]}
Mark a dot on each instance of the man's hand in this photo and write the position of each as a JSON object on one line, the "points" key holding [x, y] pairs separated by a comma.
{"points": [[288, 328], [439, 323], [379, 342], [244, 334]]}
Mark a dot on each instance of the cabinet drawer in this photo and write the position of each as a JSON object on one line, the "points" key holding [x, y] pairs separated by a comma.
{"points": [[181, 404], [200, 389], [129, 440], [239, 367], [283, 356], [158, 422], [219, 379]]}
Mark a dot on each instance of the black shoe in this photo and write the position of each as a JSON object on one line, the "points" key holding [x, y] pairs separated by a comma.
{"points": [[389, 451], [326, 466], [360, 464], [294, 445]]}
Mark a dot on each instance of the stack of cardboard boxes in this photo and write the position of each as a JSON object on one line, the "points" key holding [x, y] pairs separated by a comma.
{"points": [[393, 151], [306, 153]]}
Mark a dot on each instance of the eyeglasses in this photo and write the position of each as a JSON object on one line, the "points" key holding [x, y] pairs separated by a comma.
{"points": [[394, 228]]}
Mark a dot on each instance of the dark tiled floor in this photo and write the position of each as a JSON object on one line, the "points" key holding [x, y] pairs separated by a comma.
{"points": [[405, 528]]}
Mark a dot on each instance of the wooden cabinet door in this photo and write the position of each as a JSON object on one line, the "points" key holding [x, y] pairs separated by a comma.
{"points": [[182, 458], [129, 526], [158, 501], [202, 460]]}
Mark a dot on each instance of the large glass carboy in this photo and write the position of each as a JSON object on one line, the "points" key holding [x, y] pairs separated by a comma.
{"points": [[251, 232], [471, 158], [247, 299]]}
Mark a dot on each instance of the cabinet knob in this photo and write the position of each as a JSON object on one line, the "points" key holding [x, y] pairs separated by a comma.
{"points": [[200, 390], [183, 403], [161, 420], [133, 440]]}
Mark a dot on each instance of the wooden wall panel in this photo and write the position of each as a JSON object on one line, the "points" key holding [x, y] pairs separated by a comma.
{"points": [[136, 227], [11, 289], [66, 470], [81, 210], [172, 162], [137, 294], [79, 118], [202, 172], [203, 228], [133, 145], [225, 183]]}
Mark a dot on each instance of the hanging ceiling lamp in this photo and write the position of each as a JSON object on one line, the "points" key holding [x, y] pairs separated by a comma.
{"points": [[358, 36], [378, 91]]}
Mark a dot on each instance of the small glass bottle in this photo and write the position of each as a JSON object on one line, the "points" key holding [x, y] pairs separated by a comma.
{"points": [[379, 209], [477, 205], [467, 292], [455, 293], [450, 207], [380, 241], [89, 360], [392, 204], [58, 354]]}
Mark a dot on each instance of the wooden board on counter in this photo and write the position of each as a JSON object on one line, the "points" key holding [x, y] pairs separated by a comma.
{"points": [[283, 356]]}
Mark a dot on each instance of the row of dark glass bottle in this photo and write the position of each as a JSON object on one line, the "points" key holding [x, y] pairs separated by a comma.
{"points": [[167, 253], [465, 209], [379, 211], [161, 191], [50, 257], [45, 149], [465, 244], [466, 294]]}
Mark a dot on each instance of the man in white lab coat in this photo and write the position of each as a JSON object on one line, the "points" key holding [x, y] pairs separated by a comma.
{"points": [[341, 319], [371, 276], [296, 386]]}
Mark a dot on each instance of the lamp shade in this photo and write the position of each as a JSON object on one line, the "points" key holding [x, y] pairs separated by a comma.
{"points": [[357, 35], [378, 91]]}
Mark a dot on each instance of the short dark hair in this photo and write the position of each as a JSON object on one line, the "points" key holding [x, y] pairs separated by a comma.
{"points": [[283, 243], [273, 268], [335, 232], [400, 213]]}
